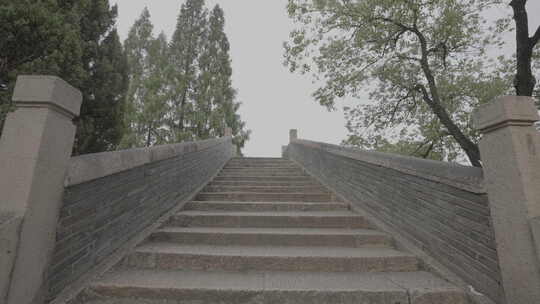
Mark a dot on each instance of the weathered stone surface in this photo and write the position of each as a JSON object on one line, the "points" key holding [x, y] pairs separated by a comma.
{"points": [[100, 215], [35, 148], [273, 252], [511, 158], [447, 220]]}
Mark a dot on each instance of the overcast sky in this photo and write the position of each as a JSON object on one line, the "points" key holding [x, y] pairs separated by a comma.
{"points": [[274, 100]]}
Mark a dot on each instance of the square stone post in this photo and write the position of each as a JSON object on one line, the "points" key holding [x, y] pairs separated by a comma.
{"points": [[510, 152], [235, 149], [293, 135], [35, 149]]}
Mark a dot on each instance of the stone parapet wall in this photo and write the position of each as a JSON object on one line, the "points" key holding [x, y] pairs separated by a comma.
{"points": [[440, 208], [111, 197]]}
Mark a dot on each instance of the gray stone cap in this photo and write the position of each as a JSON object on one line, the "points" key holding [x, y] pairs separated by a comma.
{"points": [[463, 177], [516, 110], [89, 167], [39, 91]]}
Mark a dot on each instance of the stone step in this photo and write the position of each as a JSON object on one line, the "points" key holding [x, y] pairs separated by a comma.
{"points": [[292, 179], [261, 173], [172, 256], [267, 189], [264, 206], [258, 164], [328, 219], [245, 183], [288, 167], [264, 197], [137, 286], [264, 169], [352, 238]]}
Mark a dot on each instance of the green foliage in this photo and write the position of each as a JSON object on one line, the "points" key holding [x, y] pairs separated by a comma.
{"points": [[74, 40], [146, 106], [185, 49], [183, 90], [423, 63], [31, 31]]}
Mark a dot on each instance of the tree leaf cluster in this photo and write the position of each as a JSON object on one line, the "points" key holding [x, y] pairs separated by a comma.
{"points": [[181, 90], [77, 41], [419, 68]]}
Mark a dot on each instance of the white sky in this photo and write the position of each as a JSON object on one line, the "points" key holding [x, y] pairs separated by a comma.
{"points": [[274, 100]]}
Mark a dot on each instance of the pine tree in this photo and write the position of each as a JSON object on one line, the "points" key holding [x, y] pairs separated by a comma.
{"points": [[146, 104], [185, 47], [33, 32], [76, 41], [223, 110], [108, 90], [97, 20]]}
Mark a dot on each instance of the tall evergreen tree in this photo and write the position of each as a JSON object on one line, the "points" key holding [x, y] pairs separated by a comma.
{"points": [[97, 20], [33, 32], [219, 107], [146, 104], [185, 47], [76, 41]]}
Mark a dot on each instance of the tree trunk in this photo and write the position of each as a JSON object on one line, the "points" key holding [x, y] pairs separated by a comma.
{"points": [[434, 102], [524, 81]]}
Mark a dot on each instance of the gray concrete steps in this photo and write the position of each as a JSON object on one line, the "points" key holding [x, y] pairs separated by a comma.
{"points": [[312, 219], [245, 183], [136, 286], [263, 206], [351, 238], [267, 189], [264, 197], [292, 169], [157, 255], [263, 232], [292, 179]]}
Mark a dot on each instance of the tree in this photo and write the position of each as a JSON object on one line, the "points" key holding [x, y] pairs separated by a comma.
{"points": [[421, 60], [524, 81], [101, 126], [76, 41], [185, 47], [97, 20], [31, 31], [146, 105]]}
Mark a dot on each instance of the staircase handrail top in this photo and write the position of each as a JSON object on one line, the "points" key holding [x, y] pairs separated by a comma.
{"points": [[466, 178]]}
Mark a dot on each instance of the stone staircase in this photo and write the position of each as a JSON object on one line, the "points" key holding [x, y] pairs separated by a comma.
{"points": [[264, 232]]}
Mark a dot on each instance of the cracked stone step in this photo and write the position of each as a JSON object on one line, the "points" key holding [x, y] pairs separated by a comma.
{"points": [[136, 286], [264, 197], [263, 206], [162, 255], [351, 238], [267, 189], [311, 219]]}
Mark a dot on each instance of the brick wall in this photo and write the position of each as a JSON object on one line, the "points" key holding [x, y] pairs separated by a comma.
{"points": [[441, 208], [100, 215]]}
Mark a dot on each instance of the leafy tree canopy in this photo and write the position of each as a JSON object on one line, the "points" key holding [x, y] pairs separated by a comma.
{"points": [[424, 64]]}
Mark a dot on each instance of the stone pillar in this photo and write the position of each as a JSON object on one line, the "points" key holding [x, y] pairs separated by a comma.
{"points": [[35, 149], [284, 151], [293, 135], [510, 152], [235, 150]]}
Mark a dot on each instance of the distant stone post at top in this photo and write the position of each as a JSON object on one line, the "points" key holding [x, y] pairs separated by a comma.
{"points": [[293, 135], [510, 152], [228, 131], [35, 150]]}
